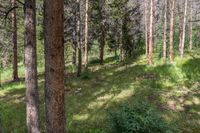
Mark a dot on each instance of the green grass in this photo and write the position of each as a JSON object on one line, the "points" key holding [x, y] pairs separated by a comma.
{"points": [[173, 89]]}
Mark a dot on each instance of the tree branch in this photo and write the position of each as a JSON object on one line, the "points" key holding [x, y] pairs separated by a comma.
{"points": [[20, 2], [10, 10]]}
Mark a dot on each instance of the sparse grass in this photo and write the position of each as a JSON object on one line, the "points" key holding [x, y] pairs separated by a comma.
{"points": [[174, 91]]}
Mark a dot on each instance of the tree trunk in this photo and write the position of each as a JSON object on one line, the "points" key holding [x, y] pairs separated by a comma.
{"points": [[54, 66], [102, 45], [180, 27], [155, 20], [79, 39], [86, 33], [74, 40], [171, 31], [180, 37], [32, 97], [191, 16], [102, 28], [184, 26], [151, 34], [146, 28], [14, 40], [74, 46], [165, 33]]}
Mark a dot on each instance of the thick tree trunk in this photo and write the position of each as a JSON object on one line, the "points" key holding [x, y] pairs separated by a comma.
{"points": [[151, 34], [165, 33], [32, 97], [146, 28], [86, 33], [171, 31], [14, 40], [184, 26], [79, 39], [54, 66], [191, 16]]}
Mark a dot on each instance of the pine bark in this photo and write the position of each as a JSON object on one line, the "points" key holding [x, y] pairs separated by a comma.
{"points": [[184, 26], [151, 34], [32, 97], [165, 33], [146, 28], [86, 33], [14, 41], [171, 31], [79, 39], [54, 66]]}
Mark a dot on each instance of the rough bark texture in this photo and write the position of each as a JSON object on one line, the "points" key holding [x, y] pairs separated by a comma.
{"points": [[31, 68], [14, 40], [79, 39], [54, 66], [165, 33], [146, 28], [151, 34], [86, 33], [171, 31], [184, 26]]}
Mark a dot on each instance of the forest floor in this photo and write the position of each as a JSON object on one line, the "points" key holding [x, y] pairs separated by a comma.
{"points": [[173, 89]]}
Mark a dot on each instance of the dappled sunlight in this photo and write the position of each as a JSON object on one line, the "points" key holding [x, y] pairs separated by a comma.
{"points": [[16, 98], [12, 93], [165, 86], [125, 94], [107, 99], [172, 89], [81, 117]]}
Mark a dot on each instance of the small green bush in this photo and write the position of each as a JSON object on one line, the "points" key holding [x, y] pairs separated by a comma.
{"points": [[140, 118], [85, 75], [95, 61]]}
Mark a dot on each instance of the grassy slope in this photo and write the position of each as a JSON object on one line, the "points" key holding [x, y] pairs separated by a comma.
{"points": [[173, 89]]}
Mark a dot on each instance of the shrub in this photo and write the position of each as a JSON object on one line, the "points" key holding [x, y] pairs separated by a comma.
{"points": [[140, 118], [85, 75], [95, 61]]}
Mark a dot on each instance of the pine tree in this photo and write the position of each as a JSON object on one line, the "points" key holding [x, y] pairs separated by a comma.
{"points": [[32, 97], [54, 65]]}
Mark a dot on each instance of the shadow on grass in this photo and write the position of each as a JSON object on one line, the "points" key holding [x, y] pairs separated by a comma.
{"points": [[89, 102], [13, 107], [116, 85], [192, 69]]}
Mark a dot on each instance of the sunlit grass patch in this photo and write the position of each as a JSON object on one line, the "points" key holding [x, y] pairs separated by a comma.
{"points": [[172, 89]]}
